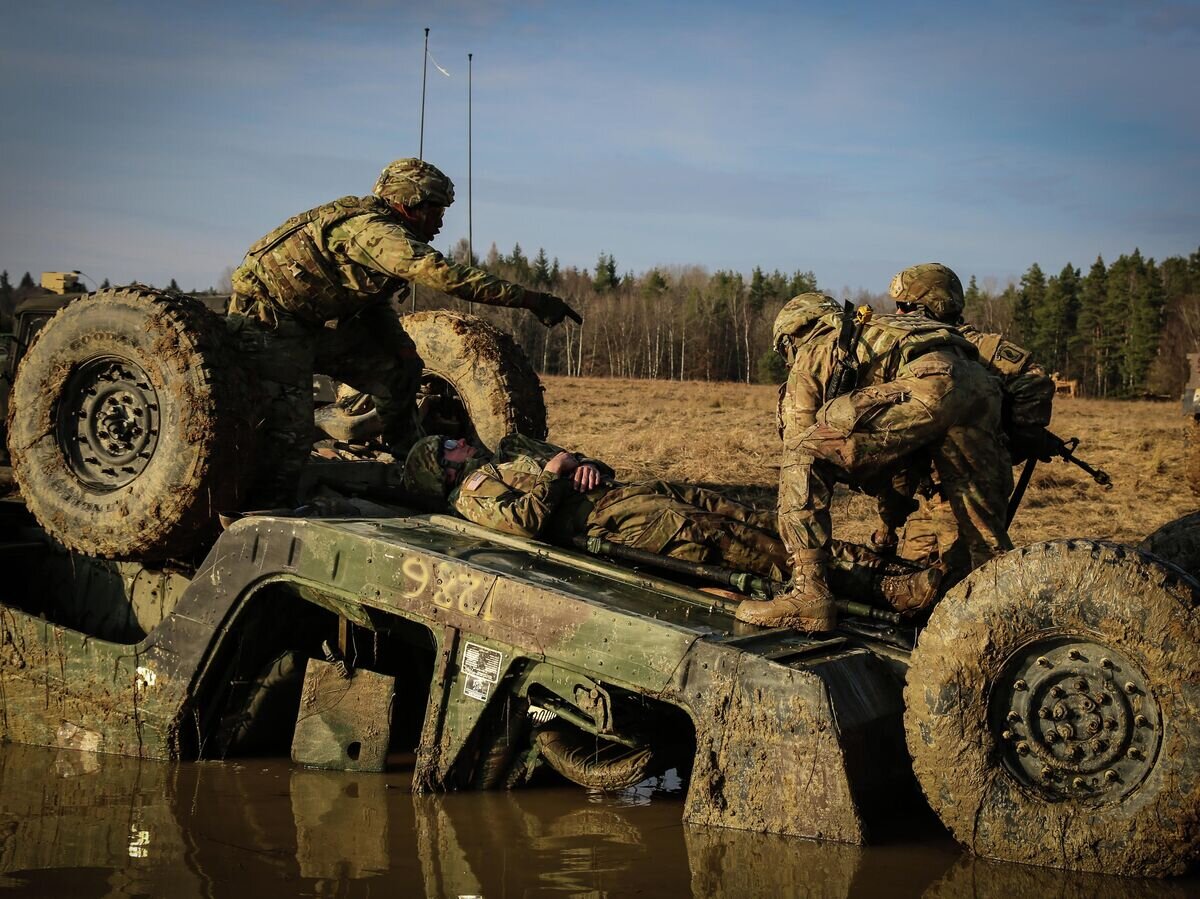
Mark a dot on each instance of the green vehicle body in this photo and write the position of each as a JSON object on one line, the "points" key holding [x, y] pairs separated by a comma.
{"points": [[782, 724]]}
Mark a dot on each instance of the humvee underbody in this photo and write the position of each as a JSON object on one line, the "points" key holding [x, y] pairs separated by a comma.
{"points": [[489, 638], [782, 733]]}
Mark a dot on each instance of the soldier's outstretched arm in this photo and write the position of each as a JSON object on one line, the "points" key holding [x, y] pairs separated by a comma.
{"points": [[387, 247]]}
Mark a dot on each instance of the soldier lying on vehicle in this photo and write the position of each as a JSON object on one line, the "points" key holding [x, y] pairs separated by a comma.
{"points": [[536, 489]]}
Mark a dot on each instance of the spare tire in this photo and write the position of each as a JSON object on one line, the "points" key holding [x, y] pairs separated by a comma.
{"points": [[129, 427], [1051, 710], [476, 382]]}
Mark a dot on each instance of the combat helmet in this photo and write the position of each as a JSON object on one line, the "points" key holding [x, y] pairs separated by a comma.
{"points": [[410, 182], [933, 286], [423, 475], [797, 316]]}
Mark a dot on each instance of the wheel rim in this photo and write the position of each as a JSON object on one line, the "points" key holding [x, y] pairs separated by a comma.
{"points": [[1076, 720], [108, 422]]}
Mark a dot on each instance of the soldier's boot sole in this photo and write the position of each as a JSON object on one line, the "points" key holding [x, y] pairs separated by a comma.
{"points": [[784, 611]]}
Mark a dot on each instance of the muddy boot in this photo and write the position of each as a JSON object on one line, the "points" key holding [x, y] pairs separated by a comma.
{"points": [[807, 605], [910, 593]]}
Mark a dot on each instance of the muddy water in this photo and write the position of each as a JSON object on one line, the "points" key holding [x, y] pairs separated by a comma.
{"points": [[83, 825]]}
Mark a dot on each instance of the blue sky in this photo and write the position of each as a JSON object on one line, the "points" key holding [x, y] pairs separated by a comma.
{"points": [[150, 140]]}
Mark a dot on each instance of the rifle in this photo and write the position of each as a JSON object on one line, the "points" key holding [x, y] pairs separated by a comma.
{"points": [[718, 574], [846, 366], [1050, 446]]}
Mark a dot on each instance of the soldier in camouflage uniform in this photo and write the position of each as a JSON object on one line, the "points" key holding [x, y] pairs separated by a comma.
{"points": [[920, 388], [316, 293], [535, 489], [930, 534]]}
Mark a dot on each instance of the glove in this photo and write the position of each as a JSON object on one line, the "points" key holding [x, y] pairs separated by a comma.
{"points": [[1031, 442], [550, 310]]}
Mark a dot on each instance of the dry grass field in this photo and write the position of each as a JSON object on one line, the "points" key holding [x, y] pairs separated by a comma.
{"points": [[723, 435]]}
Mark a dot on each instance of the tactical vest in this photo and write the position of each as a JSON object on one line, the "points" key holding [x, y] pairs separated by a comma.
{"points": [[890, 342], [300, 272]]}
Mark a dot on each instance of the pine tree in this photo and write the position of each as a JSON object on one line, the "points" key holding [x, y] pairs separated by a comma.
{"points": [[606, 274], [174, 285], [1054, 319], [758, 290], [105, 285], [802, 282], [973, 296], [1028, 298], [555, 274], [26, 282], [541, 269], [1092, 346]]}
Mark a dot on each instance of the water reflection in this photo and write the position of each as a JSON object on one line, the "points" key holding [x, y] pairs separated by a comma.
{"points": [[85, 825]]}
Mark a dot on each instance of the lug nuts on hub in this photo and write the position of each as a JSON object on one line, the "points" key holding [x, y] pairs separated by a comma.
{"points": [[1136, 754], [1081, 685], [1074, 655], [1020, 685], [1022, 748], [1046, 772], [1141, 721], [1130, 687], [1045, 662], [1079, 783], [1007, 735], [1044, 713], [1012, 717], [1106, 662], [1056, 691]]}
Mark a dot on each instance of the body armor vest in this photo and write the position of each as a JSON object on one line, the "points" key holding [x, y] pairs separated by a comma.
{"points": [[301, 273], [890, 342]]}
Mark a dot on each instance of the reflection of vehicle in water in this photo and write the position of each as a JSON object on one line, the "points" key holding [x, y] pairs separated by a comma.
{"points": [[1047, 711], [82, 824]]}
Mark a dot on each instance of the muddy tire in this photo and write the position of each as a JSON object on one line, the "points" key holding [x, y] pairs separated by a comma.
{"points": [[128, 426], [1050, 710], [477, 381], [1177, 541]]}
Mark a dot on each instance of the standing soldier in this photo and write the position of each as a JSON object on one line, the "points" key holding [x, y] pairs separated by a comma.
{"points": [[860, 400], [316, 293], [930, 533]]}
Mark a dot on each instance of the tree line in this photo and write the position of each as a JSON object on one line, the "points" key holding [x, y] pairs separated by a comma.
{"points": [[1122, 330]]}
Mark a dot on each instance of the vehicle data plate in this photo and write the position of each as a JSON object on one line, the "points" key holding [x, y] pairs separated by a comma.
{"points": [[482, 669]]}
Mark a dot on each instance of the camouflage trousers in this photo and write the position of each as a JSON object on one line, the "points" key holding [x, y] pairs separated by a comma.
{"points": [[699, 525], [690, 523], [944, 404], [369, 351]]}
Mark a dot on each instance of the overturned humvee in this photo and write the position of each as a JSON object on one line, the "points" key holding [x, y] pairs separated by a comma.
{"points": [[1047, 708]]}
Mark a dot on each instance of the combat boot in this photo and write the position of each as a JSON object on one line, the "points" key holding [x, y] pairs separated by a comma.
{"points": [[807, 605], [910, 593]]}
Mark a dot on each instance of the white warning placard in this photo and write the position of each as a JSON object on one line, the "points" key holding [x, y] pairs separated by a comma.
{"points": [[482, 669]]}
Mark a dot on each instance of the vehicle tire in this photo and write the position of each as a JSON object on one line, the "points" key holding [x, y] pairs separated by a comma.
{"points": [[477, 381], [129, 427], [1051, 710], [1177, 541]]}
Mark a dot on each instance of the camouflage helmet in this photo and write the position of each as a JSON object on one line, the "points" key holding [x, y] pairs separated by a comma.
{"points": [[933, 286], [410, 182], [797, 316], [423, 475]]}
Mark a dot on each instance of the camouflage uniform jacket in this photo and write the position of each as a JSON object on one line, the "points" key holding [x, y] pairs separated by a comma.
{"points": [[510, 490], [336, 259], [1028, 390]]}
